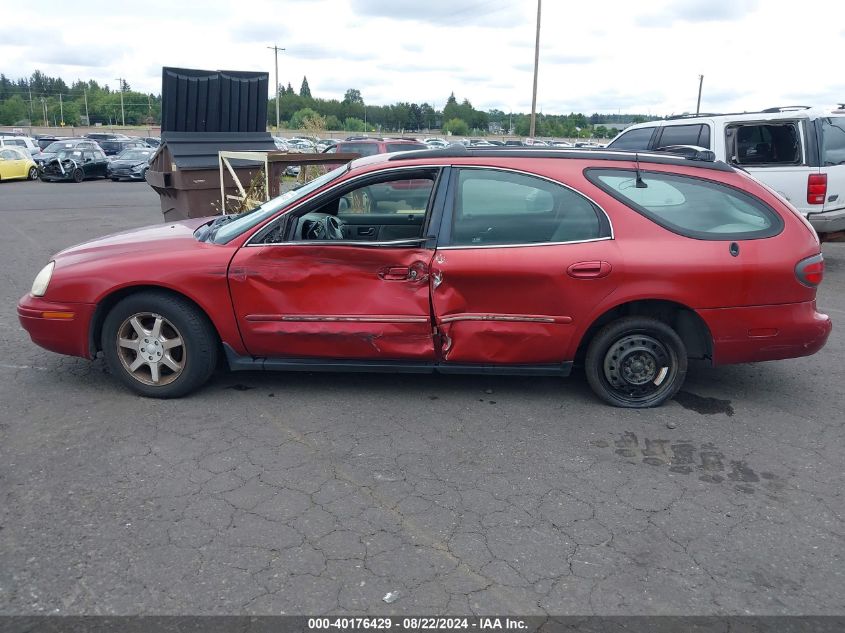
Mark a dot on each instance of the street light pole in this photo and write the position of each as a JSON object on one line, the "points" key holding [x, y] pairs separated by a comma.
{"points": [[276, 50], [698, 105], [536, 63], [122, 113]]}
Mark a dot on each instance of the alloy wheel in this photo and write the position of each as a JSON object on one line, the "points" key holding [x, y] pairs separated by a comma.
{"points": [[151, 349]]}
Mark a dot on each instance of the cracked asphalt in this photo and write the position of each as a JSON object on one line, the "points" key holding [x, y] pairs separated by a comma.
{"points": [[321, 493]]}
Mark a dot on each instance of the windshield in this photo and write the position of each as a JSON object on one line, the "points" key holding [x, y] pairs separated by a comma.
{"points": [[245, 221], [52, 148], [364, 149], [135, 154]]}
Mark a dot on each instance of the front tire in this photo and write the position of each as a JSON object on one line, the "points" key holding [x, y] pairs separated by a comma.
{"points": [[78, 175], [159, 345], [636, 363], [33, 173]]}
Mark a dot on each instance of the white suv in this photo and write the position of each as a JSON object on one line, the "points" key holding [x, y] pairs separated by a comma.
{"points": [[797, 151], [24, 142]]}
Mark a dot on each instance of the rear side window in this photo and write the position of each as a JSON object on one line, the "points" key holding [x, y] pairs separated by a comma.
{"points": [[693, 207], [493, 207], [833, 141], [764, 143], [685, 135], [634, 139]]}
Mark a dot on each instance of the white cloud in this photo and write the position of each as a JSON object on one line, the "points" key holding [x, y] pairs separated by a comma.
{"points": [[623, 58]]}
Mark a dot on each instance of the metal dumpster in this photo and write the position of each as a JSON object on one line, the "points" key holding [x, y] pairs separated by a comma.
{"points": [[204, 112]]}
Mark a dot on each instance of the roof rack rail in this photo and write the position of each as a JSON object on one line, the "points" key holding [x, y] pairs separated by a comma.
{"points": [[704, 157], [690, 116], [691, 152], [785, 109]]}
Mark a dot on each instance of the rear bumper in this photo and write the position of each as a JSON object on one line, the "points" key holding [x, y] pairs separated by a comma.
{"points": [[828, 222], [758, 333], [59, 327]]}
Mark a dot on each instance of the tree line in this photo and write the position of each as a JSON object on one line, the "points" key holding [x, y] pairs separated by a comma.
{"points": [[43, 100]]}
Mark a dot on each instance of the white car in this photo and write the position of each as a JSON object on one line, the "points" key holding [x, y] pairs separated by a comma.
{"points": [[24, 142], [435, 142], [797, 151]]}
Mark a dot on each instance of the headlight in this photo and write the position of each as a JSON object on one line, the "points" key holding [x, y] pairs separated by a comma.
{"points": [[42, 280]]}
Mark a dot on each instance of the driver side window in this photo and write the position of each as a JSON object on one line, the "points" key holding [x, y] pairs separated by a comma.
{"points": [[392, 208]]}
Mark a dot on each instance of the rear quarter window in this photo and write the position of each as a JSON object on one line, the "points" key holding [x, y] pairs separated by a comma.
{"points": [[633, 139], [833, 141], [692, 207]]}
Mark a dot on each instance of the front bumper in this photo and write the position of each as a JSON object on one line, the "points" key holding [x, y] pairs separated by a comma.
{"points": [[125, 174], [59, 327], [828, 221], [757, 333]]}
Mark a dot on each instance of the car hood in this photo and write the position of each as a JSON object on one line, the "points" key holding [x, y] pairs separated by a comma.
{"points": [[154, 241]]}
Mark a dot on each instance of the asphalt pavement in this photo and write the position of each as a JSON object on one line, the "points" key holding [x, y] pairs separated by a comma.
{"points": [[321, 493]]}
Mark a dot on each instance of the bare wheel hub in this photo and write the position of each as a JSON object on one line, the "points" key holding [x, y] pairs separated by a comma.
{"points": [[636, 366], [151, 349]]}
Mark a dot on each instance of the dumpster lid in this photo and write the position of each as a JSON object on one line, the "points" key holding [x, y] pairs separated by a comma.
{"points": [[192, 150]]}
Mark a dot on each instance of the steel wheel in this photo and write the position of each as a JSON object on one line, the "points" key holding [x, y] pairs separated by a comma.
{"points": [[637, 367], [151, 349], [636, 362]]}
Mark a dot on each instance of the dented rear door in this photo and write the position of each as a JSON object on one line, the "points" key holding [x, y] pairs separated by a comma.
{"points": [[520, 262]]}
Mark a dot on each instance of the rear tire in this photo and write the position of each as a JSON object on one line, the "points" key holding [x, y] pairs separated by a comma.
{"points": [[636, 363], [159, 345]]}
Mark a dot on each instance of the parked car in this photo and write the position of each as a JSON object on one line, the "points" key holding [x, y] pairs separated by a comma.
{"points": [[454, 261], [152, 141], [370, 147], [105, 136], [281, 144], [130, 164], [514, 143], [113, 147], [797, 151], [16, 163], [26, 143], [44, 141], [64, 145], [75, 164], [325, 144], [436, 142]]}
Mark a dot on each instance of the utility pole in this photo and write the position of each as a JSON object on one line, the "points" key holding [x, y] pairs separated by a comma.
{"points": [[122, 113], [61, 110], [44, 104], [29, 85], [698, 105], [87, 117], [276, 50], [536, 63]]}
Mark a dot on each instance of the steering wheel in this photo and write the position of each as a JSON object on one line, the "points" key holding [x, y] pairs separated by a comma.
{"points": [[321, 226]]}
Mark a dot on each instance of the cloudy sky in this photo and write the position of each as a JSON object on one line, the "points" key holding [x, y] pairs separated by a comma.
{"points": [[612, 56]]}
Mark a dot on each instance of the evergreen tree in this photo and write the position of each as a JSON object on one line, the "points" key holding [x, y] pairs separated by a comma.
{"points": [[304, 90]]}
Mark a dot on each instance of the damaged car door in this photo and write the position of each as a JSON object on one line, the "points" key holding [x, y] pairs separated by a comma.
{"points": [[521, 262], [343, 277]]}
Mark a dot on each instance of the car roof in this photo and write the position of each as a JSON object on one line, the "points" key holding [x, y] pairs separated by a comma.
{"points": [[704, 160], [769, 114]]}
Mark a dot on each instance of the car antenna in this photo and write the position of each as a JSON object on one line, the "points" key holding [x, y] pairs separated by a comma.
{"points": [[640, 182]]}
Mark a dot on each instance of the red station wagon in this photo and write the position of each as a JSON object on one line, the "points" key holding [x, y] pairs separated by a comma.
{"points": [[457, 260]]}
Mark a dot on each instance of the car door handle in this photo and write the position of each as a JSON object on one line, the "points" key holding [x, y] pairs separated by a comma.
{"points": [[395, 272], [589, 270]]}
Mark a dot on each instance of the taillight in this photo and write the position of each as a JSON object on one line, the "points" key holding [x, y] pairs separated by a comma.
{"points": [[810, 271], [816, 188]]}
